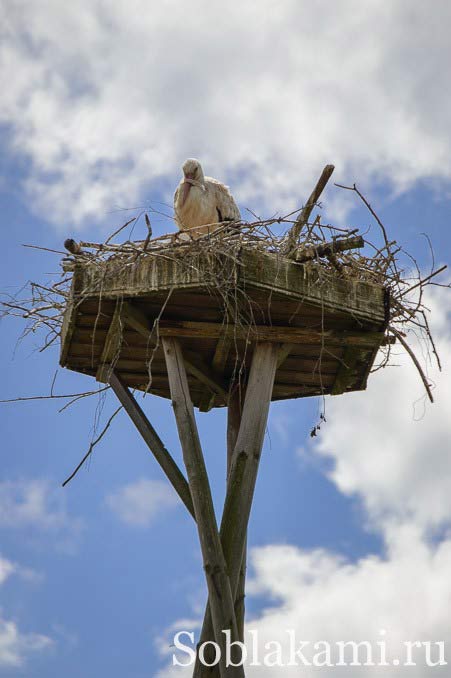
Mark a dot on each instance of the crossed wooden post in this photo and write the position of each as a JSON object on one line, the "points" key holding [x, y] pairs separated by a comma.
{"points": [[223, 551]]}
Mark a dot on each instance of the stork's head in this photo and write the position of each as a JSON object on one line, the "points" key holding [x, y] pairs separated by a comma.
{"points": [[192, 170], [193, 176]]}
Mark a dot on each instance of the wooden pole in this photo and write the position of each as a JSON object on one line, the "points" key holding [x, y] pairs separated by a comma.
{"points": [[248, 448], [243, 473], [219, 590], [234, 411], [295, 230], [152, 440]]}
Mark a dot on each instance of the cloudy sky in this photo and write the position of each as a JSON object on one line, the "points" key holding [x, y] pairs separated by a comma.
{"points": [[101, 103]]}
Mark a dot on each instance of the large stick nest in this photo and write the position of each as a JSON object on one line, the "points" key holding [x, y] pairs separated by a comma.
{"points": [[332, 251]]}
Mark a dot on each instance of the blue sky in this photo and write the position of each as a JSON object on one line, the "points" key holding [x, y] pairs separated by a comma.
{"points": [[101, 107]]}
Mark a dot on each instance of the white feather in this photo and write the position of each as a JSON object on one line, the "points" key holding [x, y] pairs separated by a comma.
{"points": [[208, 201]]}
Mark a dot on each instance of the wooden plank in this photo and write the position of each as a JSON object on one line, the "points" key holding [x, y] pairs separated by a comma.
{"points": [[257, 271], [295, 281], [262, 333], [284, 352], [70, 317], [195, 365], [112, 347], [346, 371], [153, 441], [218, 365], [212, 379], [219, 589], [137, 319], [296, 379]]}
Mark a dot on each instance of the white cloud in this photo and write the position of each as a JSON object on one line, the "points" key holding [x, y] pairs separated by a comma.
{"points": [[399, 465], [388, 445], [104, 102], [29, 502], [6, 569], [34, 504], [16, 646], [140, 502]]}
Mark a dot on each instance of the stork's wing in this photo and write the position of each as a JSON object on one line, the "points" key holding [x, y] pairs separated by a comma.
{"points": [[226, 206], [176, 199]]}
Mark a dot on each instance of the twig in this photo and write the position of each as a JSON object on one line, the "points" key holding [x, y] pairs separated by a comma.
{"points": [[365, 201], [127, 223], [91, 446], [45, 249], [402, 341], [424, 280], [54, 397]]}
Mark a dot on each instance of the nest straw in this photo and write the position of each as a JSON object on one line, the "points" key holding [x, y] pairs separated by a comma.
{"points": [[332, 251]]}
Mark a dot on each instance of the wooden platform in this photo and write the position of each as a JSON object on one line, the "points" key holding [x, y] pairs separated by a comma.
{"points": [[329, 329]]}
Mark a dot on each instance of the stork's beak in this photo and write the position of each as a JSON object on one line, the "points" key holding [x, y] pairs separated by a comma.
{"points": [[185, 191]]}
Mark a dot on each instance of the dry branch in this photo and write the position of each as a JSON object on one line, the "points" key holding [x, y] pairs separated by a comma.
{"points": [[295, 231], [328, 249]]}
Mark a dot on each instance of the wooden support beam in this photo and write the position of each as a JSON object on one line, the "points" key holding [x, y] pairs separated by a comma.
{"points": [[247, 450], [136, 319], [243, 470], [112, 346], [218, 365], [264, 333], [199, 369], [284, 352], [234, 409], [345, 373], [234, 414], [219, 589], [153, 441]]}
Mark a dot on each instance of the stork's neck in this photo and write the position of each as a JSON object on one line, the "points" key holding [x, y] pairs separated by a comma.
{"points": [[194, 182]]}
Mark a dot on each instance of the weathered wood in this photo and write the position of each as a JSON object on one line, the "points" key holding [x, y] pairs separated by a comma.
{"points": [[282, 301], [244, 465], [153, 441], [219, 589], [284, 352], [112, 347], [263, 333], [312, 285], [199, 369], [329, 248], [257, 271], [295, 230], [234, 408], [247, 450], [70, 316], [135, 318], [194, 365], [345, 373], [234, 413], [218, 365]]}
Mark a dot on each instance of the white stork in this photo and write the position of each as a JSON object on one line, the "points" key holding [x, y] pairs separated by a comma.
{"points": [[202, 201]]}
